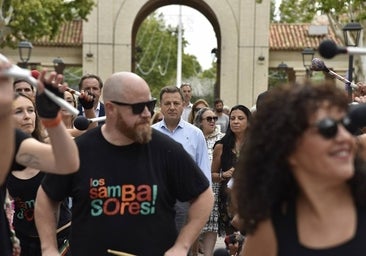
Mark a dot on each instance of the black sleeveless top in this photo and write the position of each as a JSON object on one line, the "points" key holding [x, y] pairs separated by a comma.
{"points": [[288, 241]]}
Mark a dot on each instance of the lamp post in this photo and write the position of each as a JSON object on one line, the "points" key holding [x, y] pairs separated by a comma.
{"points": [[59, 65], [351, 33], [25, 51], [307, 57]]}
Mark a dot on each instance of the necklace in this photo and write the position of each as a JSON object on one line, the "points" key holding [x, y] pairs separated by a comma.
{"points": [[237, 148]]}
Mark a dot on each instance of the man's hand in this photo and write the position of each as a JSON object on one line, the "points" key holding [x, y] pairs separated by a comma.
{"points": [[86, 99]]}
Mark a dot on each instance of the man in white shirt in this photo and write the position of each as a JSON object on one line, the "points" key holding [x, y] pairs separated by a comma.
{"points": [[186, 90]]}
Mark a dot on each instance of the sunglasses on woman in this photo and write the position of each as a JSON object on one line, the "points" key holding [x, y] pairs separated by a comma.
{"points": [[211, 119], [328, 127], [138, 108]]}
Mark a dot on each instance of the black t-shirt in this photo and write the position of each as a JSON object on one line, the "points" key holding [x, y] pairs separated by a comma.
{"points": [[23, 192], [5, 242], [124, 196], [288, 244]]}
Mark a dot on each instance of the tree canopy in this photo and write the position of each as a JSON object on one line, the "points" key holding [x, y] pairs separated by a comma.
{"points": [[32, 19], [156, 54]]}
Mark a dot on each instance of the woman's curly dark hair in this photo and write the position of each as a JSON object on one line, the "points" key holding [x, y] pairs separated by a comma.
{"points": [[263, 175]]}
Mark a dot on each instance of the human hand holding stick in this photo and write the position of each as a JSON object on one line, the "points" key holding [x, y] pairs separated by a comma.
{"points": [[118, 253]]}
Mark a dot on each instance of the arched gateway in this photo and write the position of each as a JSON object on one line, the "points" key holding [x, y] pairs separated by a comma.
{"points": [[241, 27]]}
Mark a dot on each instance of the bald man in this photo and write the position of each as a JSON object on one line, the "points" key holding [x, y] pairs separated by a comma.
{"points": [[127, 185]]}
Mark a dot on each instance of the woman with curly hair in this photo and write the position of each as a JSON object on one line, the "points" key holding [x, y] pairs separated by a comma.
{"points": [[300, 186]]}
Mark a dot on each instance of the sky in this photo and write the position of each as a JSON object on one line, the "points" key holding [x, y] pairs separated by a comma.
{"points": [[198, 31]]}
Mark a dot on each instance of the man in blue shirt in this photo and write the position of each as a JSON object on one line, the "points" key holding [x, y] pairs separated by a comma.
{"points": [[191, 138]]}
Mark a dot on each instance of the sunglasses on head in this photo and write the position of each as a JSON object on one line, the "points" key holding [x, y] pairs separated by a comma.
{"points": [[328, 127], [211, 118], [138, 108], [197, 109]]}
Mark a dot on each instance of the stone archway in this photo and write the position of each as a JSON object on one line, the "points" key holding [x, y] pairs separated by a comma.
{"points": [[241, 26], [200, 6]]}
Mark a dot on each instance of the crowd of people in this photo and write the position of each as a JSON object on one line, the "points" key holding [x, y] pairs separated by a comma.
{"points": [[168, 176]]}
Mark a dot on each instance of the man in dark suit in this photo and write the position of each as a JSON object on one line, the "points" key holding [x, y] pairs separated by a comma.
{"points": [[93, 84]]}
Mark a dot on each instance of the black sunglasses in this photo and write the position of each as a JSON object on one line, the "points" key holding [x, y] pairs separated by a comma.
{"points": [[328, 127], [138, 108], [211, 118]]}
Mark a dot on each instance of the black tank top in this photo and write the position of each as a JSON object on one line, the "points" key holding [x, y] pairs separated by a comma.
{"points": [[288, 242]]}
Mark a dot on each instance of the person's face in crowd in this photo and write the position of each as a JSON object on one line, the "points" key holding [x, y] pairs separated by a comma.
{"points": [[24, 115], [70, 99], [208, 122], [171, 107], [187, 93], [321, 159], [135, 126], [25, 88], [238, 121], [219, 107], [199, 106], [92, 85]]}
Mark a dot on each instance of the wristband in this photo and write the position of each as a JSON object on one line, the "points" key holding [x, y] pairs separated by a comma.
{"points": [[50, 123]]}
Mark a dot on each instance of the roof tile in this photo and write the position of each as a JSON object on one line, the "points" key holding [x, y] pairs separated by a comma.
{"points": [[282, 36], [291, 37], [70, 35]]}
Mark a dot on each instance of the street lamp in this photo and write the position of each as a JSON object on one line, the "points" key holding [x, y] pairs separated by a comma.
{"points": [[214, 54], [59, 65], [25, 51], [283, 67], [351, 33], [307, 57]]}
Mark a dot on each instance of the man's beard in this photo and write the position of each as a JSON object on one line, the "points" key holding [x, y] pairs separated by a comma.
{"points": [[219, 110], [140, 132]]}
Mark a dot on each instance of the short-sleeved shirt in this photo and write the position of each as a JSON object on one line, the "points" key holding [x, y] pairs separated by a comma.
{"points": [[124, 196], [192, 140]]}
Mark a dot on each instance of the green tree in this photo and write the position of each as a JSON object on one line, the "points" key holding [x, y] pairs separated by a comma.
{"points": [[295, 11], [272, 14], [156, 54], [32, 19]]}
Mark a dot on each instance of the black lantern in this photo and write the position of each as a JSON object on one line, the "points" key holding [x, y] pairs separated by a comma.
{"points": [[25, 51], [282, 74], [59, 65], [351, 33], [307, 58], [214, 54]]}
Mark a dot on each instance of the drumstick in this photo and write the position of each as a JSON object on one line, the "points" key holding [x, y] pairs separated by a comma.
{"points": [[119, 253]]}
